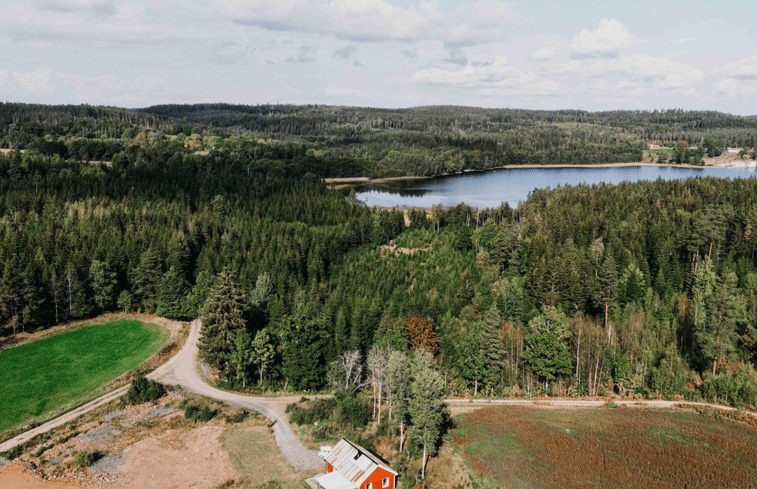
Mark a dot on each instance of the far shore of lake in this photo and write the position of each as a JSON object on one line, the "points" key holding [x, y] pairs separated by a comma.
{"points": [[348, 182]]}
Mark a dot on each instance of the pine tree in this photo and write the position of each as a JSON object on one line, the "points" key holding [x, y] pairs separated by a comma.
{"points": [[546, 350], [222, 318], [196, 299], [491, 343], [103, 284], [241, 357], [303, 351], [172, 296], [146, 278], [11, 295]]}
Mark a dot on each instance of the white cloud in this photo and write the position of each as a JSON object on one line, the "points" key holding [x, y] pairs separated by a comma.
{"points": [[610, 37], [109, 87], [258, 9], [735, 88], [682, 41], [495, 77], [547, 51], [35, 82], [494, 12], [740, 79], [378, 19], [342, 92], [743, 69], [667, 73]]}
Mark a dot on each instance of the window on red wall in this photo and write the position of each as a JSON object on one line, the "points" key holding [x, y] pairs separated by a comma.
{"points": [[369, 485], [385, 482]]}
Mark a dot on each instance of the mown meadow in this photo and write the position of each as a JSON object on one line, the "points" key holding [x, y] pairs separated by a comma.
{"points": [[45, 376]]}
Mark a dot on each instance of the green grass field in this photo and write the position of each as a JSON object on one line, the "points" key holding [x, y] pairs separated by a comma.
{"points": [[47, 375]]}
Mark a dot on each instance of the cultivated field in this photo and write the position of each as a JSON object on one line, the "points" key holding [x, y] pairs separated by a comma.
{"points": [[605, 447], [47, 375]]}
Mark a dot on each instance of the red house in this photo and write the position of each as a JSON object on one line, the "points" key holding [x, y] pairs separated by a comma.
{"points": [[350, 466]]}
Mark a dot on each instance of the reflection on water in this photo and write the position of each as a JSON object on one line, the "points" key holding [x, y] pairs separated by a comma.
{"points": [[401, 190], [492, 188]]}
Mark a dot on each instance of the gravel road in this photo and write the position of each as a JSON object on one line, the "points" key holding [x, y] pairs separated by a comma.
{"points": [[183, 368], [183, 371]]}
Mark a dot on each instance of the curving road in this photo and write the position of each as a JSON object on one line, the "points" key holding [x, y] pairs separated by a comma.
{"points": [[182, 370]]}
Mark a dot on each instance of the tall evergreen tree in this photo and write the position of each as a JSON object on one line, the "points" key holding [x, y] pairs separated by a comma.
{"points": [[222, 318], [546, 348], [146, 278], [103, 284], [172, 297]]}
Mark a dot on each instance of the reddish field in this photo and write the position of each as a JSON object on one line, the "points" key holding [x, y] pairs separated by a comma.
{"points": [[607, 448]]}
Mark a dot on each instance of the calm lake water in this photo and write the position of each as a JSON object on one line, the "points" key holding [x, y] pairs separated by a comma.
{"points": [[492, 188]]}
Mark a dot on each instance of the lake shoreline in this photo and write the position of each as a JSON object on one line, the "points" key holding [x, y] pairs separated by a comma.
{"points": [[349, 182]]}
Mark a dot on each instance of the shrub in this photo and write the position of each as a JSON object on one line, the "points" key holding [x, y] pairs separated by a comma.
{"points": [[85, 458], [316, 411], [143, 390], [197, 413], [12, 453], [351, 409]]}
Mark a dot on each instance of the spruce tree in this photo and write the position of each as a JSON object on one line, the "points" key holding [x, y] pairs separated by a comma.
{"points": [[172, 296], [146, 278], [546, 348], [103, 284], [222, 318]]}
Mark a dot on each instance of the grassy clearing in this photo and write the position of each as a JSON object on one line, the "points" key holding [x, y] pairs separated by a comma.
{"points": [[47, 375], [576, 448], [256, 457]]}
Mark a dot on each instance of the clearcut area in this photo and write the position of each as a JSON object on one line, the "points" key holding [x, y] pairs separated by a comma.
{"points": [[43, 377]]}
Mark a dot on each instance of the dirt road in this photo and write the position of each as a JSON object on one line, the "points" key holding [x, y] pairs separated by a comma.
{"points": [[183, 371]]}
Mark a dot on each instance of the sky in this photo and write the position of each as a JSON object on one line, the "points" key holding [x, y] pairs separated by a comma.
{"points": [[578, 54]]}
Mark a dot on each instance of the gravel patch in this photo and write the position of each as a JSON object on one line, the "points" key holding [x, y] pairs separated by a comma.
{"points": [[114, 414], [109, 464], [104, 434], [159, 411], [57, 460], [3, 461]]}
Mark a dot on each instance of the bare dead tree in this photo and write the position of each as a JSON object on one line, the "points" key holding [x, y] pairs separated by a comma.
{"points": [[346, 372]]}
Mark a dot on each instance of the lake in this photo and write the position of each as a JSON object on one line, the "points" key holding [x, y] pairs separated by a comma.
{"points": [[492, 188]]}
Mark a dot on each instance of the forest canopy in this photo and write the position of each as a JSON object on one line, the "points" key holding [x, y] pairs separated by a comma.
{"points": [[647, 288]]}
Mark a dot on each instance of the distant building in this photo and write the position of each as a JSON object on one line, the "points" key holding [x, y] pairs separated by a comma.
{"points": [[734, 151], [350, 466]]}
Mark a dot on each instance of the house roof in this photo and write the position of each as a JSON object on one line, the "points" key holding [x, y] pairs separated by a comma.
{"points": [[335, 480], [354, 462]]}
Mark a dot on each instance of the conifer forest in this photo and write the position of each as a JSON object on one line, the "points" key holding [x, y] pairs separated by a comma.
{"points": [[221, 212]]}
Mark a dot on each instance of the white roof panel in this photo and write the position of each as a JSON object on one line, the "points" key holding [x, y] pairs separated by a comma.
{"points": [[335, 480]]}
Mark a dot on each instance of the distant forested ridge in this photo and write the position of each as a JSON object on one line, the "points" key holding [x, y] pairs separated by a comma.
{"points": [[647, 288], [429, 141]]}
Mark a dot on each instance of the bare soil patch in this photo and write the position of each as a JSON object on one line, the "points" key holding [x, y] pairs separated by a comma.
{"points": [[577, 448], [144, 445]]}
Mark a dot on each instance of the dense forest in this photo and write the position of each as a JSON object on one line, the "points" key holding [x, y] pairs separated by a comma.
{"points": [[347, 141], [646, 288]]}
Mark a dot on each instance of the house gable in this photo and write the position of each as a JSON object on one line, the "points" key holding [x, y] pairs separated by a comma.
{"points": [[360, 467]]}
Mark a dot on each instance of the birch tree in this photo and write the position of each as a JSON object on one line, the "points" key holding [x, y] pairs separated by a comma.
{"points": [[377, 362], [398, 390], [426, 405]]}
